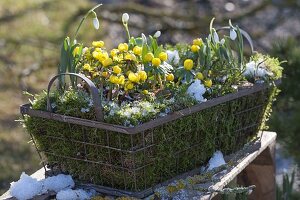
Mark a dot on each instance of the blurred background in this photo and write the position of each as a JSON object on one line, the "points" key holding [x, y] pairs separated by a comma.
{"points": [[31, 32]]}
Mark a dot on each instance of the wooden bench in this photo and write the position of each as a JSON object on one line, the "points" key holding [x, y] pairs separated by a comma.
{"points": [[255, 166]]}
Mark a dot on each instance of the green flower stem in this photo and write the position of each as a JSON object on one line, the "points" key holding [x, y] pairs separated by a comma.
{"points": [[127, 31], [160, 81]]}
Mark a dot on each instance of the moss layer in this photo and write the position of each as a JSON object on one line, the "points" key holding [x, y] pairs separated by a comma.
{"points": [[137, 162]]}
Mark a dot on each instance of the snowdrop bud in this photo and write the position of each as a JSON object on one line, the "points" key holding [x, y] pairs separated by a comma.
{"points": [[96, 23], [157, 34], [144, 38], [125, 18], [222, 41], [75, 41], [232, 34], [216, 37]]}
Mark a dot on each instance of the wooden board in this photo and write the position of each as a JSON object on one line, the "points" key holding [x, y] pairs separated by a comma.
{"points": [[258, 148]]}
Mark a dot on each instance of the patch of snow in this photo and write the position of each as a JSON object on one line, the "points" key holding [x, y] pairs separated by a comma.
{"points": [[25, 188], [256, 69], [58, 183], [216, 160], [197, 90], [173, 57], [70, 194]]}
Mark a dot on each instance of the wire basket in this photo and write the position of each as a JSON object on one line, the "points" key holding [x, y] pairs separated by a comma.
{"points": [[120, 160]]}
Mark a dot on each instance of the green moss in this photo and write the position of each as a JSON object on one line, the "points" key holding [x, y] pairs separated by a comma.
{"points": [[137, 162]]}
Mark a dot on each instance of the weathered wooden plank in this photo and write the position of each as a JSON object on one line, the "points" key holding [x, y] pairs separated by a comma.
{"points": [[259, 148], [268, 138]]}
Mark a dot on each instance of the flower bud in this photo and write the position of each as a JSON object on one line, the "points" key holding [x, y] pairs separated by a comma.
{"points": [[232, 34], [157, 34], [96, 23], [125, 18]]}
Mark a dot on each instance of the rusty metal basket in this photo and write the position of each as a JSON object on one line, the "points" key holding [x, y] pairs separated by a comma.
{"points": [[134, 160]]}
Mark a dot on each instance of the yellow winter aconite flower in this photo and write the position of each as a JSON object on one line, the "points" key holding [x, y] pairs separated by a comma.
{"points": [[188, 64], [142, 75], [113, 79], [96, 74], [148, 57], [208, 83], [195, 48], [101, 56], [145, 92], [123, 47], [114, 52], [121, 80], [133, 77], [107, 62], [128, 72], [128, 85], [197, 41], [199, 76], [163, 56], [137, 50], [156, 62], [105, 74], [76, 51], [170, 77], [87, 67], [117, 69], [130, 57], [98, 49], [99, 44]]}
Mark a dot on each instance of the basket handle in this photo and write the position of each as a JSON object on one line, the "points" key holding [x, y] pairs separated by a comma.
{"points": [[92, 88]]}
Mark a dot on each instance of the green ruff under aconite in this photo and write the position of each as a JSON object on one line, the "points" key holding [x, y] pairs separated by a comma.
{"points": [[137, 162]]}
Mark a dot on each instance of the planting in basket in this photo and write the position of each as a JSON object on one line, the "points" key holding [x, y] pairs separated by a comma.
{"points": [[140, 114]]}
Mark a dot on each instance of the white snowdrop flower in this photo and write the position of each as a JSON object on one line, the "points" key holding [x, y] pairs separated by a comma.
{"points": [[232, 34], [216, 37], [75, 41], [173, 57], [157, 34], [144, 38], [85, 110], [125, 18], [96, 23], [196, 90], [222, 41], [209, 37]]}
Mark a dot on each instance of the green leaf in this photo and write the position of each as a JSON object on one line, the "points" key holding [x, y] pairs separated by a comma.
{"points": [[154, 44], [139, 41]]}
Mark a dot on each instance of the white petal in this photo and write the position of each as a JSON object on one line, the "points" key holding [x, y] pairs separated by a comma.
{"points": [[233, 34], [125, 18], [222, 41], [157, 34], [144, 38], [216, 37], [96, 23]]}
